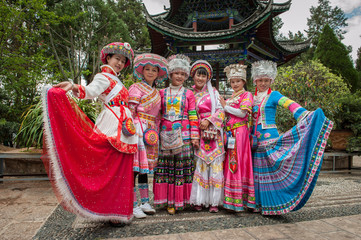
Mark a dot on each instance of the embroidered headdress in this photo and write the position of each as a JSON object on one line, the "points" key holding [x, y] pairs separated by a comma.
{"points": [[179, 63], [118, 48], [236, 71], [154, 60], [202, 64], [264, 68]]}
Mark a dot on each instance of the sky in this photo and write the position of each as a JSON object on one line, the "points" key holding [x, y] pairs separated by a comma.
{"points": [[296, 18]]}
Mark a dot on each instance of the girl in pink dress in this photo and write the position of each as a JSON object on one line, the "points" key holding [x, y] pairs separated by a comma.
{"points": [[238, 172], [145, 104], [178, 133], [207, 187]]}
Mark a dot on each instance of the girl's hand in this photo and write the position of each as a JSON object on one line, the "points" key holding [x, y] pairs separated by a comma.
{"points": [[204, 124], [66, 86], [222, 101], [195, 143]]}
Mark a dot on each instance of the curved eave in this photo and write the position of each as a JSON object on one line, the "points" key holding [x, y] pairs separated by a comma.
{"points": [[169, 29], [292, 47], [278, 7]]}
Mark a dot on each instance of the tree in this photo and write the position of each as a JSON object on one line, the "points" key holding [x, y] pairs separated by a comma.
{"points": [[322, 15], [84, 27], [24, 63], [334, 55], [358, 60]]}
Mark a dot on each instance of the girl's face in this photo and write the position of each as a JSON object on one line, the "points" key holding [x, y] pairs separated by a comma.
{"points": [[150, 73], [117, 62], [178, 78], [200, 80], [263, 84], [237, 84]]}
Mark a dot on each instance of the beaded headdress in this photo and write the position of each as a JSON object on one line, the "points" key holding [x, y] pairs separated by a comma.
{"points": [[154, 60], [236, 71], [202, 64], [179, 63], [264, 68], [118, 48]]}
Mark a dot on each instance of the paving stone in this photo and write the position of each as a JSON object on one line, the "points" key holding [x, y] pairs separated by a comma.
{"points": [[317, 226], [298, 232], [198, 236], [266, 232], [21, 230], [340, 235], [233, 234], [163, 237], [349, 224]]}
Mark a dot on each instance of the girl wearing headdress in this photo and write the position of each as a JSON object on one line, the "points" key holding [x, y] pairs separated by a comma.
{"points": [[145, 104], [91, 164], [207, 186], [178, 133], [285, 166], [238, 173]]}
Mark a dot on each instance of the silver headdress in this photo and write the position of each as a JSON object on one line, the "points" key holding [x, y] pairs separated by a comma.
{"points": [[264, 68], [179, 63], [236, 71]]}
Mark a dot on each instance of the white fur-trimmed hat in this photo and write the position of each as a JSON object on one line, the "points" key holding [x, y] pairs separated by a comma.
{"points": [[264, 68], [179, 63]]}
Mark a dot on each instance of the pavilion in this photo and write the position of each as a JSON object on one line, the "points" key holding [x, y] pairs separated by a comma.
{"points": [[222, 32]]}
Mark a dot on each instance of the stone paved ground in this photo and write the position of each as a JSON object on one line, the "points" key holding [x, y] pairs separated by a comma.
{"points": [[30, 210]]}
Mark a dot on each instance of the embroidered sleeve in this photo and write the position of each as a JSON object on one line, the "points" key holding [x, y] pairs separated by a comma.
{"points": [[217, 118], [192, 116], [99, 84], [134, 94], [134, 99], [297, 110], [247, 102]]}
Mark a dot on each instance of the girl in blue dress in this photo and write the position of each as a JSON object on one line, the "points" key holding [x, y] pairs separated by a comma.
{"points": [[285, 166]]}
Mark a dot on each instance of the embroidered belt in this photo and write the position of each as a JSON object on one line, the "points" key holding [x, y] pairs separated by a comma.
{"points": [[117, 104], [146, 116], [236, 125]]}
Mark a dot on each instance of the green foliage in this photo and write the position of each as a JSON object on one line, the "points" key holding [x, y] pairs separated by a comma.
{"points": [[31, 130], [84, 27], [333, 54], [7, 132], [313, 86], [358, 61], [128, 80], [323, 15], [23, 62], [349, 117]]}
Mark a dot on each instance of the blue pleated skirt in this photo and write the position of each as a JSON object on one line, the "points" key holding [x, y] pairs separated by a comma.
{"points": [[286, 168]]}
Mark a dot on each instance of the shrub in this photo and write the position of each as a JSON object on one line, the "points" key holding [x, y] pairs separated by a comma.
{"points": [[313, 86]]}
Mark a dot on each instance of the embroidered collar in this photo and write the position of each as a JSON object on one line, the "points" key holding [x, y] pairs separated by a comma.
{"points": [[259, 96], [235, 97], [108, 69], [175, 88]]}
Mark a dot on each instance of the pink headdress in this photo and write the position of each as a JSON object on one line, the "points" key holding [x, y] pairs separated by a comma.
{"points": [[154, 60]]}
